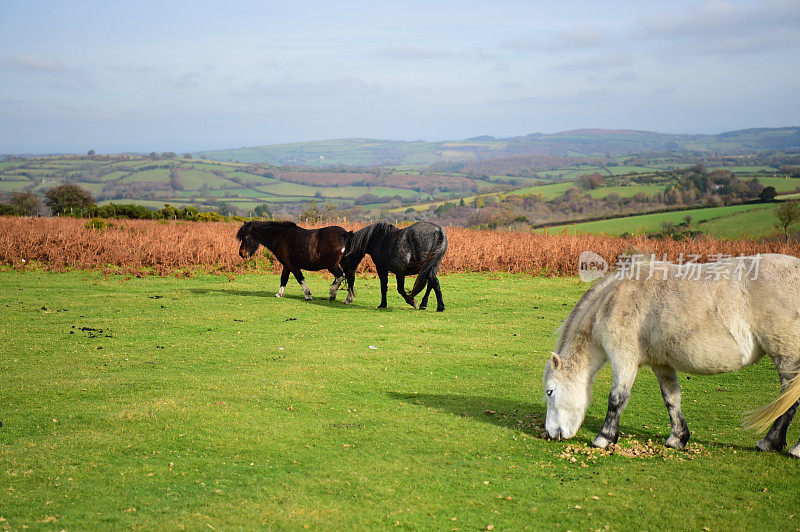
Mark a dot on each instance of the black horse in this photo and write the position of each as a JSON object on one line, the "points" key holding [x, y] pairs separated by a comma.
{"points": [[298, 249], [417, 249]]}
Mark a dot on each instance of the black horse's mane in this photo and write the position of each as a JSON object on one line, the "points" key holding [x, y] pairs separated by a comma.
{"points": [[248, 227], [361, 238]]}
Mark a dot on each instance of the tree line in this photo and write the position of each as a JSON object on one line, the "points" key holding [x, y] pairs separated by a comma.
{"points": [[73, 200]]}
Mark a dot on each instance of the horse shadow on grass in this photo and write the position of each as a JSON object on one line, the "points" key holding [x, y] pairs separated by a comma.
{"points": [[525, 417], [514, 415], [266, 294], [528, 418]]}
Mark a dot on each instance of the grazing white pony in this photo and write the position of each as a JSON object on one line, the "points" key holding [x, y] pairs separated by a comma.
{"points": [[697, 318]]}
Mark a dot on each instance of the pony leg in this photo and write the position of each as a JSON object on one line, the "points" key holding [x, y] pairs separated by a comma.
{"points": [[794, 452], [424, 303], [401, 289], [617, 401], [775, 440], [437, 289], [284, 280], [350, 276], [300, 279], [671, 392], [383, 275], [338, 275]]}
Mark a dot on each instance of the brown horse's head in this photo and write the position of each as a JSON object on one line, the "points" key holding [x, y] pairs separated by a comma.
{"points": [[249, 244]]}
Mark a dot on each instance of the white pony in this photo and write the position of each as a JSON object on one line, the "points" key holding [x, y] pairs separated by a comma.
{"points": [[700, 319]]}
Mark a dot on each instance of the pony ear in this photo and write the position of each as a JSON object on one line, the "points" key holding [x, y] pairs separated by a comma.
{"points": [[555, 361]]}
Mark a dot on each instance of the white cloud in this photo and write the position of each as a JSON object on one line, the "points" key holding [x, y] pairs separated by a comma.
{"points": [[34, 63], [598, 62], [294, 89], [187, 80], [573, 39], [720, 27], [413, 53]]}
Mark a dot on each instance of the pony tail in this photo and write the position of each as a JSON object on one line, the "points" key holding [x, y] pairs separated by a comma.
{"points": [[433, 260], [762, 418]]}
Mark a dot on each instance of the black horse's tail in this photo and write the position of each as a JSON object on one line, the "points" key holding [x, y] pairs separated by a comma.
{"points": [[431, 263]]}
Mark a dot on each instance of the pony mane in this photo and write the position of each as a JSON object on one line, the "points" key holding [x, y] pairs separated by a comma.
{"points": [[248, 227], [243, 231], [586, 304], [360, 239]]}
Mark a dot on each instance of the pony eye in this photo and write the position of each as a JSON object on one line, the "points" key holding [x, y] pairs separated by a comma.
{"points": [[549, 392]]}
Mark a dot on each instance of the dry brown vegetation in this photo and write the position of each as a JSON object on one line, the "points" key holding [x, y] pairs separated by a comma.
{"points": [[145, 247]]}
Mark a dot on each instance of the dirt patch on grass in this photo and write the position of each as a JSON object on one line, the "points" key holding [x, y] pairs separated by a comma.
{"points": [[630, 447]]}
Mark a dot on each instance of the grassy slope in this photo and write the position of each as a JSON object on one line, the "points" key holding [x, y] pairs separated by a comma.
{"points": [[782, 185], [555, 190], [205, 402], [551, 191], [724, 222]]}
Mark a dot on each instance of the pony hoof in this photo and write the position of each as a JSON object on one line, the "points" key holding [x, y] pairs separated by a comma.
{"points": [[674, 442], [278, 295], [381, 306], [348, 300], [413, 303], [794, 452], [308, 298], [439, 309], [422, 307], [766, 445], [601, 442]]}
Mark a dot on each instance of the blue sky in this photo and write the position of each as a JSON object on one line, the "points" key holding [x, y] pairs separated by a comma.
{"points": [[184, 76]]}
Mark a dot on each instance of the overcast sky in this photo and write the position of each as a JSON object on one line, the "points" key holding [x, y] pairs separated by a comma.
{"points": [[184, 76]]}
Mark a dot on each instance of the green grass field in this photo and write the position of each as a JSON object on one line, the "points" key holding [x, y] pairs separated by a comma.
{"points": [[158, 175], [734, 221], [164, 403], [195, 179], [352, 192], [555, 190], [781, 184]]}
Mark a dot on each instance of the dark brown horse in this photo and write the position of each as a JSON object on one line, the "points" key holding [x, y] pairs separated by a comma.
{"points": [[297, 249]]}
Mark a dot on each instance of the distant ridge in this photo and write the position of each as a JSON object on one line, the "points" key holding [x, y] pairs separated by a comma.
{"points": [[577, 142]]}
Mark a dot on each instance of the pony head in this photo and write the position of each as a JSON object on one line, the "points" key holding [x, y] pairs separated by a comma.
{"points": [[249, 243], [567, 395]]}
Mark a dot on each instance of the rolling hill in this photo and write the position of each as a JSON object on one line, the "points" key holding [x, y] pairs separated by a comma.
{"points": [[582, 142], [182, 181]]}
